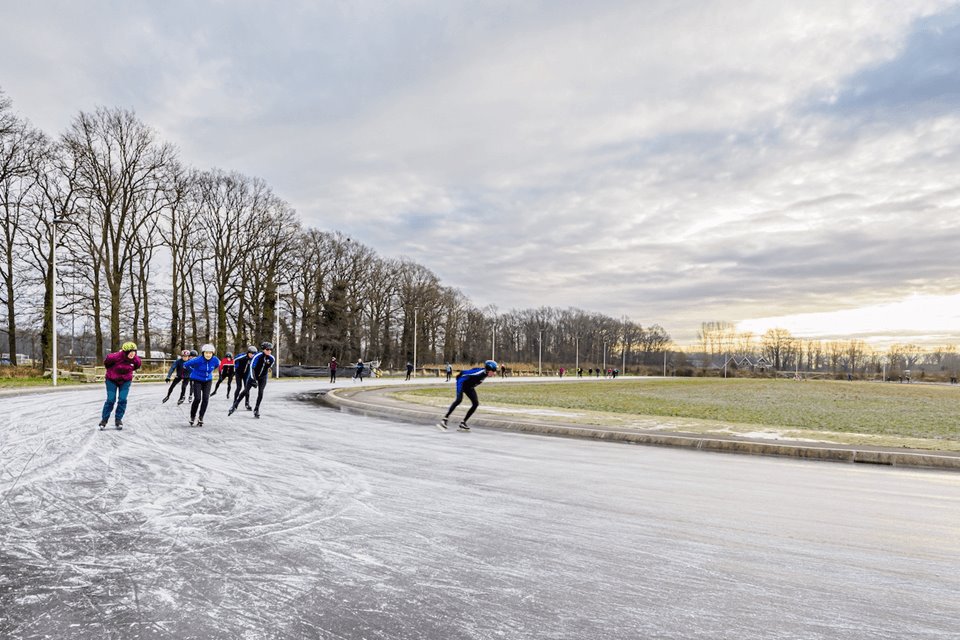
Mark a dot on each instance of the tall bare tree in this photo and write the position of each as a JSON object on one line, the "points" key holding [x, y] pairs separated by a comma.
{"points": [[120, 171]]}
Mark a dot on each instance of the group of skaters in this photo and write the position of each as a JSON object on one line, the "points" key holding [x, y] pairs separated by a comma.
{"points": [[609, 373], [334, 366], [194, 372]]}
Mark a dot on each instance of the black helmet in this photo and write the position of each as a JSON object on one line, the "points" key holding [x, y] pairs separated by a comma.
{"points": [[194, 353], [228, 354], [266, 345]]}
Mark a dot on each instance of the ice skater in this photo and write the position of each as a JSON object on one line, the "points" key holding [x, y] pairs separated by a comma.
{"points": [[226, 371], [333, 370], [467, 382], [118, 378], [201, 378], [182, 378], [449, 372], [409, 370], [241, 366], [358, 374], [257, 373], [193, 354]]}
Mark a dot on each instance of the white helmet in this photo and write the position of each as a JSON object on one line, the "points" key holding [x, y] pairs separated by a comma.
{"points": [[208, 347]]}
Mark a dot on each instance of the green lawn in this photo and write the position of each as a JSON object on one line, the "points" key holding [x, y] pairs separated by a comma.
{"points": [[889, 411], [34, 381]]}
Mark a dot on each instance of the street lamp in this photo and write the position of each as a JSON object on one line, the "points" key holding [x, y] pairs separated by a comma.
{"points": [[53, 289], [578, 356], [540, 357], [276, 335], [414, 343]]}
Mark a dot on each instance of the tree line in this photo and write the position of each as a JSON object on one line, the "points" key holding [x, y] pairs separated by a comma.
{"points": [[170, 256], [719, 340]]}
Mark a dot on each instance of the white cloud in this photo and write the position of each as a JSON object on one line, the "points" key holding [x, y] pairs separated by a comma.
{"points": [[674, 161]]}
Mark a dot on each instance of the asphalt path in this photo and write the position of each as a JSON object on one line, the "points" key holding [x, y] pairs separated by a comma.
{"points": [[310, 523]]}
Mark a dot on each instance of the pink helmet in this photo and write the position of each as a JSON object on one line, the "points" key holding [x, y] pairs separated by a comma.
{"points": [[185, 352]]}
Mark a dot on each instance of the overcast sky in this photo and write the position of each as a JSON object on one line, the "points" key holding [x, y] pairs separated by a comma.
{"points": [[787, 163]]}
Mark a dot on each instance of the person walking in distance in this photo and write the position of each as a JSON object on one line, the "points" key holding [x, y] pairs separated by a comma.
{"points": [[226, 371], [333, 370], [118, 378], [241, 367], [182, 378], [467, 382], [259, 370], [449, 372], [201, 378], [358, 374], [409, 370]]}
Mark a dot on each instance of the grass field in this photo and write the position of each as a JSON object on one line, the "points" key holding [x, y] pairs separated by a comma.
{"points": [[34, 381], [916, 415]]}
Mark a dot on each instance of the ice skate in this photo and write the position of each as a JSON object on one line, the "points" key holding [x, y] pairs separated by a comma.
{"points": [[442, 425], [463, 427], [119, 425], [103, 425]]}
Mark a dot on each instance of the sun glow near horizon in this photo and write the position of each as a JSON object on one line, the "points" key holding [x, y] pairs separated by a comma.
{"points": [[925, 320]]}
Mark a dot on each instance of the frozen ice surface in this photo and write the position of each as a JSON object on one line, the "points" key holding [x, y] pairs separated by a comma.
{"points": [[309, 523]]}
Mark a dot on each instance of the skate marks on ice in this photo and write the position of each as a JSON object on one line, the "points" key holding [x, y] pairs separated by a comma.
{"points": [[316, 524], [158, 530]]}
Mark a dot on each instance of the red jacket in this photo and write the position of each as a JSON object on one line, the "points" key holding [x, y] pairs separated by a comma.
{"points": [[120, 368]]}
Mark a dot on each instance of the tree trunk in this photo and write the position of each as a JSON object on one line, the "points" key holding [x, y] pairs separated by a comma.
{"points": [[11, 313]]}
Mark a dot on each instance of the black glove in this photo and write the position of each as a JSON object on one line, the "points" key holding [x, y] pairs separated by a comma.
{"points": [[168, 380], [253, 382]]}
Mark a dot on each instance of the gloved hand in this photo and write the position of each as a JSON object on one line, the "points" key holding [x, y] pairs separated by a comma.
{"points": [[253, 383], [167, 379]]}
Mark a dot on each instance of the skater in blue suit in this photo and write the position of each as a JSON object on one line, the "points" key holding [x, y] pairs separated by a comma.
{"points": [[201, 378], [467, 382]]}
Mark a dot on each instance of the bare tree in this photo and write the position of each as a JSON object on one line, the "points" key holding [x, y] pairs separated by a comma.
{"points": [[20, 145], [120, 171]]}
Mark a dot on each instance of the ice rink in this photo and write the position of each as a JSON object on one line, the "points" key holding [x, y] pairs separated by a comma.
{"points": [[310, 523]]}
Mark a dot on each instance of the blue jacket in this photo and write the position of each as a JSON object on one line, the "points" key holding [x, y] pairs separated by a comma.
{"points": [[470, 378], [202, 369], [260, 366]]}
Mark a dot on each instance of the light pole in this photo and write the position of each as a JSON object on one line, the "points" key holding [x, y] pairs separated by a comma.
{"points": [[623, 367], [53, 290], [604, 359], [276, 339], [414, 343], [493, 340], [540, 357], [578, 356]]}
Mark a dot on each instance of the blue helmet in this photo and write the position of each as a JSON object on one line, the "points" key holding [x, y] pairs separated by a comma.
{"points": [[490, 365]]}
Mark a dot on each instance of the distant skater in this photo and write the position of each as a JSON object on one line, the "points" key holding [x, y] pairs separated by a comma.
{"points": [[241, 366], [118, 378], [259, 370], [467, 382], [182, 376], [449, 371], [358, 374], [409, 370], [333, 370], [201, 378], [226, 371]]}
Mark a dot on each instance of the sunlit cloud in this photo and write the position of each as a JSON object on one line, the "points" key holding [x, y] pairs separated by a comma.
{"points": [[674, 162]]}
